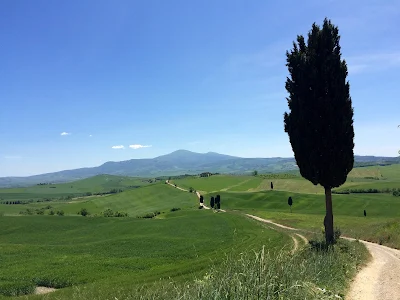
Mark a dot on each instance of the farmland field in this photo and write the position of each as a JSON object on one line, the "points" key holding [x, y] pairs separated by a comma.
{"points": [[96, 184], [100, 257], [64, 251]]}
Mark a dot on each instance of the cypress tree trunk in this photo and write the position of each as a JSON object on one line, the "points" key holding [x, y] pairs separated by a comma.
{"points": [[328, 222]]}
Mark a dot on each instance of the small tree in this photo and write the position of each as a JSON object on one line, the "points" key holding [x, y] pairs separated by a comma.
{"points": [[320, 121], [60, 213], [365, 213], [218, 201], [255, 173], [201, 199], [272, 186], [83, 212], [290, 202], [212, 202]]}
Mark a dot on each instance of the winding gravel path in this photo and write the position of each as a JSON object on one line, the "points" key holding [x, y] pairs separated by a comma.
{"points": [[378, 280]]}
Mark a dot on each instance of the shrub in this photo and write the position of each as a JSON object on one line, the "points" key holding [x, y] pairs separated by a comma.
{"points": [[120, 214], [60, 213], [83, 212], [108, 213], [175, 209], [51, 213], [149, 215]]}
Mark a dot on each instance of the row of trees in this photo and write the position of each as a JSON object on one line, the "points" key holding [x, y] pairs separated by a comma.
{"points": [[215, 202]]}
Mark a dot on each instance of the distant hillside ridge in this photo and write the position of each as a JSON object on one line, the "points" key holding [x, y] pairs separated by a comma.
{"points": [[177, 163]]}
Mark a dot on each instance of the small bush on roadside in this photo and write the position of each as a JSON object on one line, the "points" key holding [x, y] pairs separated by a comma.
{"points": [[175, 209], [60, 213], [51, 213]]}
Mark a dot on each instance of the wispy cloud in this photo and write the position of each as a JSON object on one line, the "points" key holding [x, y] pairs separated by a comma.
{"points": [[373, 62], [65, 133], [90, 135], [136, 146], [118, 147]]}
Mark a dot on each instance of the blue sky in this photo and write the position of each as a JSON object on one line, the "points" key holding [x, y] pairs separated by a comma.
{"points": [[196, 75]]}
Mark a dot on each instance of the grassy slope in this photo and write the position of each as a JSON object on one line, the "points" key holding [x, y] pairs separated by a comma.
{"points": [[389, 178], [212, 183], [100, 183], [382, 223], [121, 251], [134, 202]]}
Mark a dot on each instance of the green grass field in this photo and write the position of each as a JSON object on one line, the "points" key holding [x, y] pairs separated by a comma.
{"points": [[381, 225], [135, 202], [104, 252], [102, 258], [96, 184], [386, 177]]}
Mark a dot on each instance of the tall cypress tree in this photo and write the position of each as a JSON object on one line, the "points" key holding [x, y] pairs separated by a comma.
{"points": [[212, 202], [320, 121]]}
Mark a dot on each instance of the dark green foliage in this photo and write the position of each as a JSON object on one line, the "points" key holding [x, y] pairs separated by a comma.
{"points": [[149, 215], [51, 213], [83, 212], [290, 203], [272, 186], [60, 212], [365, 213], [212, 202], [175, 209], [201, 199], [320, 121], [218, 202], [190, 190], [108, 213], [255, 173]]}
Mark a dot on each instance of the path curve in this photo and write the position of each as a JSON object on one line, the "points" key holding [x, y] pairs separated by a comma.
{"points": [[380, 278]]}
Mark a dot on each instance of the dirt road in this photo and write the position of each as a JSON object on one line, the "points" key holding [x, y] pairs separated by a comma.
{"points": [[380, 279]]}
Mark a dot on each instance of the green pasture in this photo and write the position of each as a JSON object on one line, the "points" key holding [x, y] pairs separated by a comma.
{"points": [[382, 223], [135, 202], [105, 252], [96, 184]]}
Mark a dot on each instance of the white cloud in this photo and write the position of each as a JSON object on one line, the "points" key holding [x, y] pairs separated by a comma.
{"points": [[118, 147], [138, 146], [373, 62], [90, 135], [65, 133]]}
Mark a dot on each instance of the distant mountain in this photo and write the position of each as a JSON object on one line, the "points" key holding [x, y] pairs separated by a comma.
{"points": [[177, 163]]}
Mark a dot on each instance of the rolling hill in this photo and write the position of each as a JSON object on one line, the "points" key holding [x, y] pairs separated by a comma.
{"points": [[177, 163]]}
